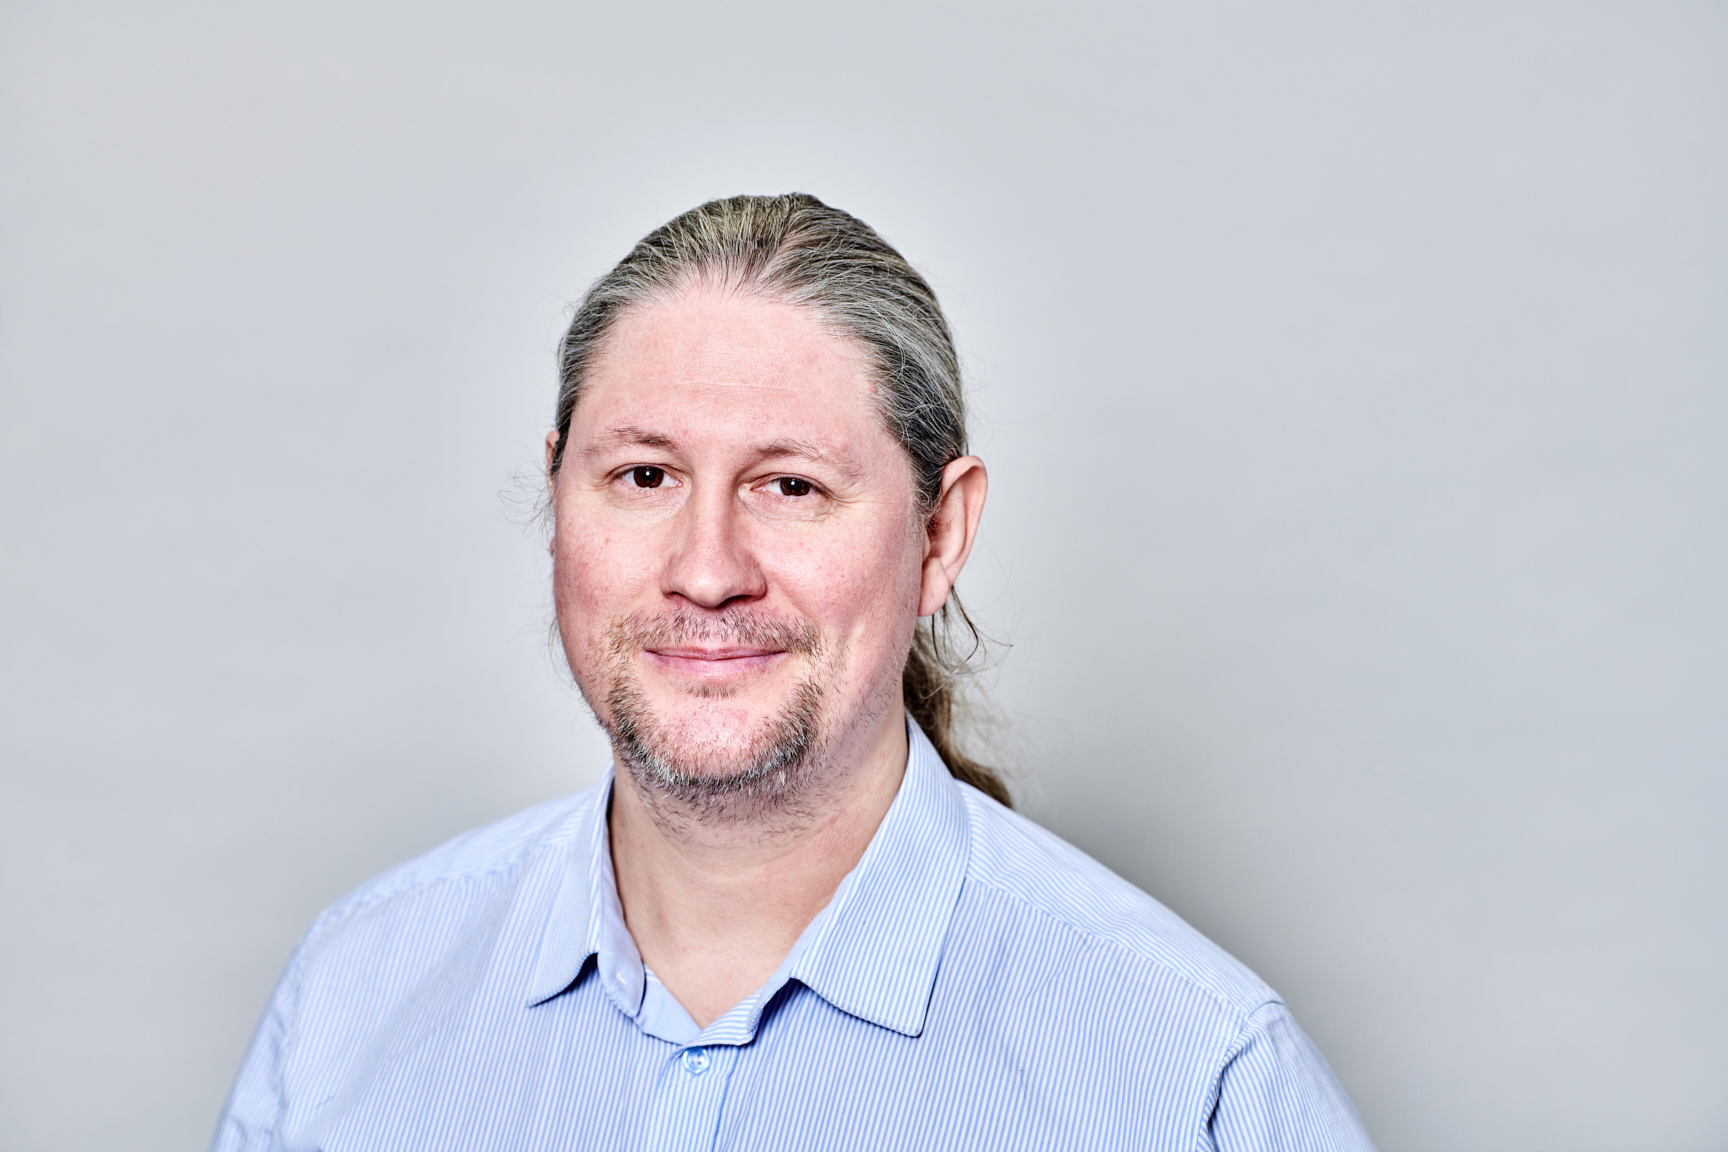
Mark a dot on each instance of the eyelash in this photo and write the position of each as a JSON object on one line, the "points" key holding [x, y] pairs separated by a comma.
{"points": [[659, 476]]}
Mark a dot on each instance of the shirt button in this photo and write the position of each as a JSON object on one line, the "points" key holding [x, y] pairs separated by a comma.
{"points": [[695, 1061]]}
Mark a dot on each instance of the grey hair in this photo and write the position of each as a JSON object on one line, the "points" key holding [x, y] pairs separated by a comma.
{"points": [[796, 249]]}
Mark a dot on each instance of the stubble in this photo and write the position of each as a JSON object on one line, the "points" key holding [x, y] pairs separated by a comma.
{"points": [[716, 781]]}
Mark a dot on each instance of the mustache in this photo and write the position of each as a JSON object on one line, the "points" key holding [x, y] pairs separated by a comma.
{"points": [[743, 627]]}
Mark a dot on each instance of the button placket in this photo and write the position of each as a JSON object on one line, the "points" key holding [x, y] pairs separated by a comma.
{"points": [[688, 1101]]}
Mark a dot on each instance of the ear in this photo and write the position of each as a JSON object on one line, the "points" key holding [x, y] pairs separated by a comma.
{"points": [[551, 447], [951, 530]]}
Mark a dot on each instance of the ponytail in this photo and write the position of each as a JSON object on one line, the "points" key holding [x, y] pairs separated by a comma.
{"points": [[928, 688]]}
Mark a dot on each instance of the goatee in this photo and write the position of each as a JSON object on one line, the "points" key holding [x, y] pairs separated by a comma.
{"points": [[715, 783]]}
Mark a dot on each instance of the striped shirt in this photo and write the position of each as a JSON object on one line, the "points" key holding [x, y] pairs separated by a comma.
{"points": [[975, 983]]}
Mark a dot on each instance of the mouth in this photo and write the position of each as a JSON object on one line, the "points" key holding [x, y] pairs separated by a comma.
{"points": [[719, 663]]}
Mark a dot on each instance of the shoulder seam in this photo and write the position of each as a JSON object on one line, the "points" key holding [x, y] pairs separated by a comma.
{"points": [[1264, 994], [1238, 1016], [367, 895], [358, 902]]}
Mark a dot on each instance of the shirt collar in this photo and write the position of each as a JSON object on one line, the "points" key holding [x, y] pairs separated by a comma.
{"points": [[873, 953], [587, 919]]}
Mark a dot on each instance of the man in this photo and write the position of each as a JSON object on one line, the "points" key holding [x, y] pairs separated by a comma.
{"points": [[794, 915]]}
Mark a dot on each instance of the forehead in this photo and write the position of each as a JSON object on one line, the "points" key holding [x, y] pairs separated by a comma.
{"points": [[707, 364]]}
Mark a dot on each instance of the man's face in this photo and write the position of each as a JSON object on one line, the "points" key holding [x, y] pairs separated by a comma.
{"points": [[737, 553]]}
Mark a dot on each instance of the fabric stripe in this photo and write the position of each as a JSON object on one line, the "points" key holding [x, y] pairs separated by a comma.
{"points": [[975, 983]]}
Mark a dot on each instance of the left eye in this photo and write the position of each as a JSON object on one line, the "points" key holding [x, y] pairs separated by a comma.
{"points": [[792, 486]]}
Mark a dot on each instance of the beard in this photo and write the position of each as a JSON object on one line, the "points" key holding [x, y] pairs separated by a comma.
{"points": [[715, 778]]}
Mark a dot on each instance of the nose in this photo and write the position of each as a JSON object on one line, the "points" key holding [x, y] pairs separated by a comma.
{"points": [[710, 562]]}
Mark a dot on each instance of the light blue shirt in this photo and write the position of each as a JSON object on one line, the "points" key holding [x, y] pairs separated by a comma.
{"points": [[974, 983]]}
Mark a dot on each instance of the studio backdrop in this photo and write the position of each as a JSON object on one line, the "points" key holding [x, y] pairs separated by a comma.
{"points": [[1353, 380]]}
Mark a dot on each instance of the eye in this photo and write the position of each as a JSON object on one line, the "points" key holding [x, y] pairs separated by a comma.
{"points": [[793, 486], [647, 476]]}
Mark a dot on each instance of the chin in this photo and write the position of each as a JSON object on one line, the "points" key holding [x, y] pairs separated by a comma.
{"points": [[720, 760], [704, 740]]}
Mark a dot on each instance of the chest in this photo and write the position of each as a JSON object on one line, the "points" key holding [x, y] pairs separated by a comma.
{"points": [[990, 1069]]}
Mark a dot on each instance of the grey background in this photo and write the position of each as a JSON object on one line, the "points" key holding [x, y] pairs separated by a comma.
{"points": [[1351, 376]]}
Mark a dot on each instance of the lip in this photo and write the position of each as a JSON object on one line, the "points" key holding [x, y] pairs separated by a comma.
{"points": [[722, 663], [721, 653]]}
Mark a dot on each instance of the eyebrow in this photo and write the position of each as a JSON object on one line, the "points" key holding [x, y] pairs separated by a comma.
{"points": [[777, 448], [630, 435], [804, 450]]}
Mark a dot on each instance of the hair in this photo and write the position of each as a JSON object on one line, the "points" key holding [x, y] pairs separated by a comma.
{"points": [[798, 250]]}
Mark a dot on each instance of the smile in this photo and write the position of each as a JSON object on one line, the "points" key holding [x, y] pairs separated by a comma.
{"points": [[718, 663]]}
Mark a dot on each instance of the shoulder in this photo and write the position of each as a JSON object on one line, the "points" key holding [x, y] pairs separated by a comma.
{"points": [[1033, 868], [426, 919], [482, 857]]}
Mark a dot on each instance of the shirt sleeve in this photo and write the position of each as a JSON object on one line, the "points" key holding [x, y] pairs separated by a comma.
{"points": [[249, 1119], [1276, 1094]]}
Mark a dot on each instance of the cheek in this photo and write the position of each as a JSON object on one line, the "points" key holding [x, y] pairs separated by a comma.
{"points": [[593, 572], [860, 586]]}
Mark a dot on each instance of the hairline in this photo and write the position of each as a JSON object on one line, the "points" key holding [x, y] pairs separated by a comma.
{"points": [[684, 287]]}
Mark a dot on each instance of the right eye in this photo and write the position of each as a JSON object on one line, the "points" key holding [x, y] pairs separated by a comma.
{"points": [[647, 476]]}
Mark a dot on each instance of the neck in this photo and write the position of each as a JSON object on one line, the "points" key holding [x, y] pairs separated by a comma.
{"points": [[714, 905]]}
